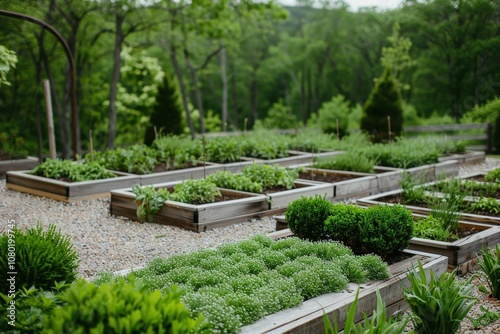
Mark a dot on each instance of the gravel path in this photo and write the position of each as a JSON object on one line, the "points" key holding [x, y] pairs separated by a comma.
{"points": [[106, 243]]}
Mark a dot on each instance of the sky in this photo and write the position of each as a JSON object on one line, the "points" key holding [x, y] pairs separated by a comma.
{"points": [[356, 4]]}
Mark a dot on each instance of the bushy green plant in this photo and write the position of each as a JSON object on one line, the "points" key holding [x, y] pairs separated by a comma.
{"points": [[149, 201], [349, 161], [136, 159], [265, 145], [333, 111], [241, 182], [486, 204], [279, 116], [271, 175], [74, 172], [343, 224], [433, 229], [177, 151], [121, 307], [438, 304], [411, 192], [195, 191], [385, 230], [384, 101], [489, 262], [306, 216], [374, 266], [493, 176], [31, 306], [42, 258], [223, 149]]}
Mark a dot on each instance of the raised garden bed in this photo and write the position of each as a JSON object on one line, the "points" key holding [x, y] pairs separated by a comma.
{"points": [[68, 191], [308, 317], [180, 174], [467, 158], [237, 207], [279, 200], [17, 165]]}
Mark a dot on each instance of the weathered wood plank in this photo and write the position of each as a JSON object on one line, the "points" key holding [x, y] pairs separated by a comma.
{"points": [[180, 174], [303, 188]]}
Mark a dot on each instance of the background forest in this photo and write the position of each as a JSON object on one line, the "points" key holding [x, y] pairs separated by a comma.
{"points": [[229, 65]]}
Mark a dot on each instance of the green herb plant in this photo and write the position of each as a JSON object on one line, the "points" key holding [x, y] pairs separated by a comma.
{"points": [[195, 191], [149, 201], [74, 172], [13, 145], [42, 258], [438, 304], [493, 176], [241, 182], [349, 161], [306, 216], [489, 262], [432, 228], [485, 318], [271, 175]]}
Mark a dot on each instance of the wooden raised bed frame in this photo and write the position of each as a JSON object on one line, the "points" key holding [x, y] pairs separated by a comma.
{"points": [[198, 218], [16, 165], [308, 317], [68, 191]]}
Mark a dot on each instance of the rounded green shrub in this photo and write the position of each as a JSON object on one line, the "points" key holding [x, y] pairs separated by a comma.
{"points": [[343, 224], [41, 258], [121, 307], [337, 109], [493, 175], [306, 216], [385, 230]]}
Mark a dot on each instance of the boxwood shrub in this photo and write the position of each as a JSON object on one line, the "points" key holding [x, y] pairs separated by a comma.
{"points": [[306, 216]]}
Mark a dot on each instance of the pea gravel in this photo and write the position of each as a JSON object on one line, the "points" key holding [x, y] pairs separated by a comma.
{"points": [[106, 243]]}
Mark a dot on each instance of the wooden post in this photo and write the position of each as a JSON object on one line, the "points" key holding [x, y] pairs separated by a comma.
{"points": [[204, 156], [91, 145], [50, 119], [338, 134], [245, 126], [489, 139], [156, 132], [389, 127]]}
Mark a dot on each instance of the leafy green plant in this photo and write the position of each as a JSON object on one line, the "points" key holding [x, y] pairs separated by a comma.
{"points": [[177, 151], [74, 172], [349, 161], [149, 201], [411, 192], [385, 230], [334, 112], [121, 307], [265, 145], [195, 191], [493, 176], [379, 322], [432, 228], [31, 306], [485, 318], [241, 182], [271, 175], [489, 262], [343, 224], [42, 258], [438, 305], [486, 204], [223, 149], [306, 216], [136, 159]]}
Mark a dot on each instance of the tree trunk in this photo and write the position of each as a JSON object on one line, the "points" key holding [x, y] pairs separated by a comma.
{"points": [[115, 77], [223, 65], [253, 96], [303, 110], [196, 90], [178, 74]]}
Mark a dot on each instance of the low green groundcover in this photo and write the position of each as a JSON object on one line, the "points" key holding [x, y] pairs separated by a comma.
{"points": [[236, 284]]}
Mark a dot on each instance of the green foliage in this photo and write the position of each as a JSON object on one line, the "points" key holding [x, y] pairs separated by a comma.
{"points": [[433, 229], [271, 175], [336, 110], [31, 306], [311, 140], [384, 102], [265, 145], [177, 151], [241, 182], [238, 283], [12, 144], [167, 111], [42, 258], [379, 323], [485, 318], [487, 205], [411, 191], [279, 116], [137, 159], [374, 266], [196, 191], [306, 216], [385, 230], [149, 201], [488, 112], [8, 60], [343, 224], [489, 262], [121, 307], [493, 176], [223, 149], [438, 304], [447, 209], [349, 161], [74, 172]]}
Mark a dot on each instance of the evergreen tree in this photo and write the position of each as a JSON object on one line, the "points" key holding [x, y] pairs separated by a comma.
{"points": [[384, 101], [167, 111]]}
